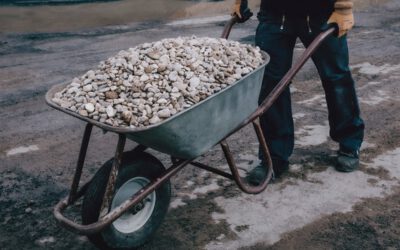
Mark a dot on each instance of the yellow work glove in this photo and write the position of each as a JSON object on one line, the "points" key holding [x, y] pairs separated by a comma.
{"points": [[343, 16], [241, 10]]}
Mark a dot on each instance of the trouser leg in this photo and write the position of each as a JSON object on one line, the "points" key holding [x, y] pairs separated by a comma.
{"points": [[277, 122], [332, 62]]}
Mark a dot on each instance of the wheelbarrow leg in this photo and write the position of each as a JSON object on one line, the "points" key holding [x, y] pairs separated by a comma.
{"points": [[263, 144], [243, 185], [79, 165], [113, 175]]}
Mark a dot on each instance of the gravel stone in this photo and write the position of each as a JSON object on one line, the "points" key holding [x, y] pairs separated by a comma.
{"points": [[89, 107], [149, 83]]}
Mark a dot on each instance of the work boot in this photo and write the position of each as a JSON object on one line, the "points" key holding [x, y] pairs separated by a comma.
{"points": [[347, 160], [258, 174]]}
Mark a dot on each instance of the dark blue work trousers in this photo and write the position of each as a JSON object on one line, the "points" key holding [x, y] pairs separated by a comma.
{"points": [[276, 34]]}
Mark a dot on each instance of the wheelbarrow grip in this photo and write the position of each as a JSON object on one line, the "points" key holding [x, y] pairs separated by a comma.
{"points": [[228, 26]]}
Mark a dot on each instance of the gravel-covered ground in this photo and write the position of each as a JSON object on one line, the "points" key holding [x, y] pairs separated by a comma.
{"points": [[311, 207]]}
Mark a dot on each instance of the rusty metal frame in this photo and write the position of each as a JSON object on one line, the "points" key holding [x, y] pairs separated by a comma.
{"points": [[113, 175], [79, 165], [240, 181], [107, 218], [228, 26]]}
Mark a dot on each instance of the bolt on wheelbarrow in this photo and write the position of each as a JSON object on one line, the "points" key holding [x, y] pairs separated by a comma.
{"points": [[127, 199]]}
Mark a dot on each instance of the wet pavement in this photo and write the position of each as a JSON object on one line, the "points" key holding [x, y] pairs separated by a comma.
{"points": [[70, 17], [311, 207]]}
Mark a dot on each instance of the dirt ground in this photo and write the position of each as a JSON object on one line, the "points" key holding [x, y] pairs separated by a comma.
{"points": [[311, 207]]}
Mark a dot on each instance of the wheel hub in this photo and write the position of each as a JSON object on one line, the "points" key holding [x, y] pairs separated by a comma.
{"points": [[137, 216]]}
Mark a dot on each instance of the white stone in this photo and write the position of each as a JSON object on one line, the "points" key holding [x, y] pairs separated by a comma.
{"points": [[155, 119], [194, 82], [87, 88], [162, 101], [87, 81], [89, 107], [110, 111], [173, 76], [72, 90], [75, 84], [144, 78], [164, 113]]}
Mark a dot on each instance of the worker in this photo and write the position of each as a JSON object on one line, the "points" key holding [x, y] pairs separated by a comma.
{"points": [[281, 22]]}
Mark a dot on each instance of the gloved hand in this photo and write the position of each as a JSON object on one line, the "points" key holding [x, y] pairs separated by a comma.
{"points": [[242, 11], [343, 16]]}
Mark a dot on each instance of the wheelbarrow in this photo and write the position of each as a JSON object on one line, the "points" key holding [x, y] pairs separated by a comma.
{"points": [[127, 199]]}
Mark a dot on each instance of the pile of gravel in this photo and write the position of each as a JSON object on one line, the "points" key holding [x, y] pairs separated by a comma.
{"points": [[144, 85]]}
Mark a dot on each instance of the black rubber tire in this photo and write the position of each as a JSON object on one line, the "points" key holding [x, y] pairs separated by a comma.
{"points": [[133, 165]]}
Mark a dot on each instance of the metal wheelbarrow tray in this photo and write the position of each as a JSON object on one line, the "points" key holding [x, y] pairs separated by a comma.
{"points": [[128, 197], [193, 131]]}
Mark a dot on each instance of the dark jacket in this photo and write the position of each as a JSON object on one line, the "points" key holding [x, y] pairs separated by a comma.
{"points": [[298, 7]]}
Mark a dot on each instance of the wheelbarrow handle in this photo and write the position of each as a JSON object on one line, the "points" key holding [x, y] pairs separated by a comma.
{"points": [[285, 81], [228, 26]]}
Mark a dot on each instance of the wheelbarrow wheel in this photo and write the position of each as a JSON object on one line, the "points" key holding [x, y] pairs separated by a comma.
{"points": [[137, 225]]}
